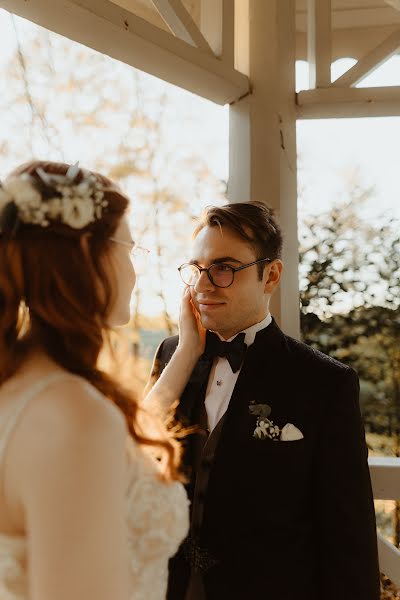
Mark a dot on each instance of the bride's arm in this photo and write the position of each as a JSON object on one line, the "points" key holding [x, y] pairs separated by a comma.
{"points": [[172, 381], [72, 472]]}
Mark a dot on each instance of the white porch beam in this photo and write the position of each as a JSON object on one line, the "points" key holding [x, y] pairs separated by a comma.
{"points": [[337, 102], [263, 133], [389, 559], [180, 23], [319, 45], [217, 25], [359, 16], [228, 32], [355, 42], [370, 61], [114, 31], [211, 24], [394, 3], [385, 477]]}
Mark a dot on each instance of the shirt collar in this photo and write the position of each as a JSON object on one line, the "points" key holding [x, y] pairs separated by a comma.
{"points": [[250, 332]]}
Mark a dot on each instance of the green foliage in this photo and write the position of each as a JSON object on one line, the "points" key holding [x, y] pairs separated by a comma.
{"points": [[350, 304]]}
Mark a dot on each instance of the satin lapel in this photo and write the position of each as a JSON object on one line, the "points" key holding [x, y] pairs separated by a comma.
{"points": [[188, 414], [195, 390]]}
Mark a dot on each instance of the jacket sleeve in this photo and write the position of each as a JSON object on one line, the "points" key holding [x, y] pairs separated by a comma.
{"points": [[161, 358], [347, 558], [156, 367]]}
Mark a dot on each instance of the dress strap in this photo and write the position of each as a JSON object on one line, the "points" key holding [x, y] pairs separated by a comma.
{"points": [[23, 401]]}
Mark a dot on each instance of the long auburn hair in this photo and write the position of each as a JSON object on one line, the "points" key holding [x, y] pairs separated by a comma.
{"points": [[56, 296]]}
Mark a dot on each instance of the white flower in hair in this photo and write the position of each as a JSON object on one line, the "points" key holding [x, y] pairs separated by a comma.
{"points": [[77, 212], [54, 207], [53, 197], [23, 193]]}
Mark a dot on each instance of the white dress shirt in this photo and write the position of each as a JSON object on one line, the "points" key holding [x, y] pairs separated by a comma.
{"points": [[222, 380]]}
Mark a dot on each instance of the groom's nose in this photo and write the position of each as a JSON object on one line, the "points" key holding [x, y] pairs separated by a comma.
{"points": [[203, 284]]}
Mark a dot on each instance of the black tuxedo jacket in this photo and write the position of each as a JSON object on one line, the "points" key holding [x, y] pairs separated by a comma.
{"points": [[288, 520]]}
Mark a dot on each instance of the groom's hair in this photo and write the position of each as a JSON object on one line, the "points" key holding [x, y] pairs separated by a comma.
{"points": [[254, 222]]}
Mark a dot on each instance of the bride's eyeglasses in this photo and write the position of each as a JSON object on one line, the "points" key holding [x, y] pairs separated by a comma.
{"points": [[139, 254]]}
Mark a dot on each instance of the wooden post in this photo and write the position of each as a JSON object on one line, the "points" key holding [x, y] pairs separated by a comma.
{"points": [[263, 132], [217, 25], [319, 45]]}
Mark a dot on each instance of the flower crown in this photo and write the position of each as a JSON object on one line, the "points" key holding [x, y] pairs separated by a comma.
{"points": [[25, 199]]}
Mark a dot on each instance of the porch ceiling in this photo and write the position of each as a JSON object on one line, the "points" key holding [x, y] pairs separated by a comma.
{"points": [[358, 25], [146, 10], [354, 14], [190, 42]]}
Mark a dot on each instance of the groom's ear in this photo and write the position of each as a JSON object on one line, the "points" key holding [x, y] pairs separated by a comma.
{"points": [[272, 274]]}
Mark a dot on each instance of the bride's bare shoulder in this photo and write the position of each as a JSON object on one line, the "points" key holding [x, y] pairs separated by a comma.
{"points": [[69, 437], [72, 406], [57, 399], [68, 415]]}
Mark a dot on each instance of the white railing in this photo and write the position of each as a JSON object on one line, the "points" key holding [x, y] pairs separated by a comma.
{"points": [[385, 477]]}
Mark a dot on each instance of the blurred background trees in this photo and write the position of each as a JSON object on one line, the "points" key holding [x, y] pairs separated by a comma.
{"points": [[66, 102], [350, 309]]}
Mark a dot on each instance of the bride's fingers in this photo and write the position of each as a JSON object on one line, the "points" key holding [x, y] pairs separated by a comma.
{"points": [[194, 309], [186, 296], [186, 303]]}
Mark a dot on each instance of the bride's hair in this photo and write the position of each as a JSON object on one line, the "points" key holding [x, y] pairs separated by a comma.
{"points": [[56, 296]]}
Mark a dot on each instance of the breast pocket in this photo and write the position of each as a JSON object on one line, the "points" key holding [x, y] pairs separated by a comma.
{"points": [[276, 453], [276, 446], [278, 469]]}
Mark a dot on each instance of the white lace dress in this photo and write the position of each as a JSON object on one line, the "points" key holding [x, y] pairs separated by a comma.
{"points": [[157, 521]]}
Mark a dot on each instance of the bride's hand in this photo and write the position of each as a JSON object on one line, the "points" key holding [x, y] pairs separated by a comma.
{"points": [[192, 335]]}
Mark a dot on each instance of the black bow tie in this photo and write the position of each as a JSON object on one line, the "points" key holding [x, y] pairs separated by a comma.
{"points": [[233, 351]]}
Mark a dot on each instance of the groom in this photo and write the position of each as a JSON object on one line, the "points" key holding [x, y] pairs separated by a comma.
{"points": [[281, 502]]}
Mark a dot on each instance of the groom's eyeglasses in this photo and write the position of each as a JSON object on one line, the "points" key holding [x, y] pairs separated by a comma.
{"points": [[220, 274]]}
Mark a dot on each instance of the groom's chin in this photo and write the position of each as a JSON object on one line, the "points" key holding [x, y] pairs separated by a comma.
{"points": [[208, 322]]}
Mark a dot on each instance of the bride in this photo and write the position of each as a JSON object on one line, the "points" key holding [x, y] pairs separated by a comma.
{"points": [[85, 512]]}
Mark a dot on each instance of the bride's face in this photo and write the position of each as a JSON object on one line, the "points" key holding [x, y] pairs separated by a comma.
{"points": [[123, 272]]}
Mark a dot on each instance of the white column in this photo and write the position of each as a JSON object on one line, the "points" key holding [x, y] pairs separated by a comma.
{"points": [[319, 43], [263, 132]]}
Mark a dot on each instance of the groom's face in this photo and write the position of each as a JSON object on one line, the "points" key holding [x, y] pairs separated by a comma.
{"points": [[232, 309]]}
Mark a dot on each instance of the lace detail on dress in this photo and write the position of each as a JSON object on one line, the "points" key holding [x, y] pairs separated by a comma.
{"points": [[157, 522], [13, 584]]}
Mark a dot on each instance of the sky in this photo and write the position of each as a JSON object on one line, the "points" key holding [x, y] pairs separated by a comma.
{"points": [[331, 152]]}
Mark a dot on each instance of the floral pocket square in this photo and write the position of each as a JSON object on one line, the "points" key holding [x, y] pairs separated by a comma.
{"points": [[266, 429], [290, 433]]}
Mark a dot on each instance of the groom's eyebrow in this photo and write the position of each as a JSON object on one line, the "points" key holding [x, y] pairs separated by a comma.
{"points": [[220, 259]]}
